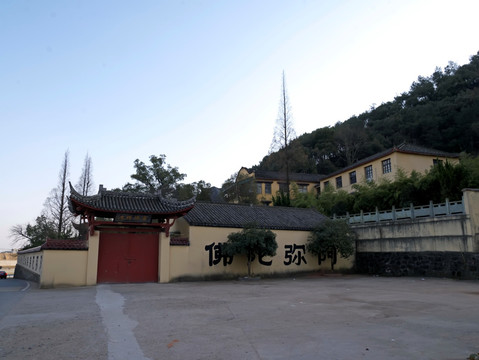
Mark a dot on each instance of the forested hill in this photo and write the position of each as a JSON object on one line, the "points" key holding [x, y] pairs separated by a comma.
{"points": [[440, 111]]}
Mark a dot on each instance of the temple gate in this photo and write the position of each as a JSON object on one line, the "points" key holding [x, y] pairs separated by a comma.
{"points": [[129, 247]]}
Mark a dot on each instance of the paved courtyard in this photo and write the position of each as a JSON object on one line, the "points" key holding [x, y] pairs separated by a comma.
{"points": [[311, 317]]}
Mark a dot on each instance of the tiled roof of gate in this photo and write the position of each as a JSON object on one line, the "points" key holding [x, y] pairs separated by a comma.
{"points": [[128, 202], [65, 244], [237, 216]]}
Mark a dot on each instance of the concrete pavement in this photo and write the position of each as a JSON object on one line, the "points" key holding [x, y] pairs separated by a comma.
{"points": [[11, 292], [346, 317]]}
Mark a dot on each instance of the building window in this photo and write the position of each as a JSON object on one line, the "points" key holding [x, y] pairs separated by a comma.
{"points": [[283, 187], [259, 188], [368, 172], [386, 166], [437, 162], [303, 188], [267, 188], [352, 177], [326, 184], [339, 182]]}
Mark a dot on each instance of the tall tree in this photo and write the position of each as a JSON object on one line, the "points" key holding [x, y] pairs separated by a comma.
{"points": [[330, 238], [251, 241], [201, 190], [240, 189], [85, 183], [350, 138], [56, 205], [159, 176], [29, 236], [284, 132]]}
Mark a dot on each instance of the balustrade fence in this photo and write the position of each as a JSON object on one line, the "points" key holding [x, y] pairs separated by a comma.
{"points": [[31, 260], [411, 212]]}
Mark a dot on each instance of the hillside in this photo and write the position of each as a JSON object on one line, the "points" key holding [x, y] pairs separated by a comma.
{"points": [[440, 111]]}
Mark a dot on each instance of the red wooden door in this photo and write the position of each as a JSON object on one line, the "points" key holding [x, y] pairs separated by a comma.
{"points": [[127, 257]]}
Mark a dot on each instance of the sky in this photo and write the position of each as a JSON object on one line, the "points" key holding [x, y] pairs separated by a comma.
{"points": [[198, 81]]}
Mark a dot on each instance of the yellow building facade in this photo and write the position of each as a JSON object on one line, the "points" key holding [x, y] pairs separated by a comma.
{"points": [[386, 165], [270, 183]]}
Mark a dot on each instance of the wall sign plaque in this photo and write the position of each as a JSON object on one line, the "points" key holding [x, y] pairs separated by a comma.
{"points": [[133, 218]]}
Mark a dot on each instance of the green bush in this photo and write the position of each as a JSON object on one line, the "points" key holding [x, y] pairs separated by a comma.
{"points": [[330, 238]]}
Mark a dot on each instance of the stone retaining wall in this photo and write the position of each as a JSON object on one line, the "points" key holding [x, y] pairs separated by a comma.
{"points": [[429, 263], [26, 274]]}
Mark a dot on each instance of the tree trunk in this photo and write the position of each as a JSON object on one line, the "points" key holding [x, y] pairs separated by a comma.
{"points": [[63, 186], [286, 137], [334, 257], [283, 134]]}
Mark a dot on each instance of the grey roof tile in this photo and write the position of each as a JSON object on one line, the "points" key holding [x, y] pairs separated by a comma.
{"points": [[126, 202], [65, 244], [237, 216], [277, 175], [416, 149]]}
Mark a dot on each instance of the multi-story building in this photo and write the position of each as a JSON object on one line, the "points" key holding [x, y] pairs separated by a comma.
{"points": [[385, 165]]}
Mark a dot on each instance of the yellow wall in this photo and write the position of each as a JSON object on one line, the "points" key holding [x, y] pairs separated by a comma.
{"points": [[275, 189], [63, 268], [92, 258], [471, 206], [405, 162], [243, 173], [59, 268], [263, 197], [419, 163], [190, 262], [164, 258], [182, 227]]}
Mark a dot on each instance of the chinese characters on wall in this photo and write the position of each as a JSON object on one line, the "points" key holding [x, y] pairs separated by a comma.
{"points": [[215, 255], [133, 218], [293, 255]]}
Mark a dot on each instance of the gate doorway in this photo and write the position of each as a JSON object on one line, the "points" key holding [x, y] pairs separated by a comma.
{"points": [[128, 257]]}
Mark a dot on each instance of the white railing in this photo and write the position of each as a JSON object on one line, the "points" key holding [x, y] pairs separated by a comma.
{"points": [[412, 212], [31, 259]]}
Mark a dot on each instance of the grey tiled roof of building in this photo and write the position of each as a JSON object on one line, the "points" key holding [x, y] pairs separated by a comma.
{"points": [[416, 149], [126, 202], [237, 216], [278, 175]]}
